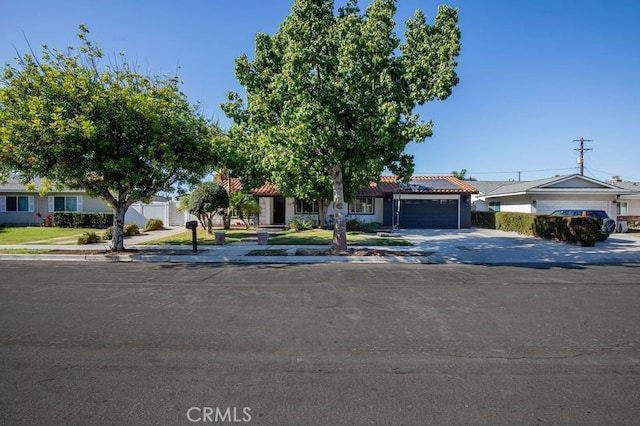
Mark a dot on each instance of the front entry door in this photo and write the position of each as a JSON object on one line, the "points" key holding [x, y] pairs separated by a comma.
{"points": [[278, 210]]}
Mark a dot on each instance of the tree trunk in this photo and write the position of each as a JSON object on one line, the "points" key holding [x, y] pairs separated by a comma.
{"points": [[226, 220], [117, 238], [209, 217], [246, 222], [339, 244], [203, 220]]}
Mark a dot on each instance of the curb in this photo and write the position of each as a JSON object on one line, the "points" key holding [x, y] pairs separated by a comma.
{"points": [[63, 257], [249, 260], [221, 259], [281, 259]]}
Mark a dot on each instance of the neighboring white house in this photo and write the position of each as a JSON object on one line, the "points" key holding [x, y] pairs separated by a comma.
{"points": [[560, 192], [628, 206]]}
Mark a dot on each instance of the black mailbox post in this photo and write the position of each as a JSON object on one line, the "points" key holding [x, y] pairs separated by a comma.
{"points": [[193, 224]]}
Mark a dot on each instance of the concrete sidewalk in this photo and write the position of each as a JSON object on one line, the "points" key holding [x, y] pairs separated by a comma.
{"points": [[467, 246]]}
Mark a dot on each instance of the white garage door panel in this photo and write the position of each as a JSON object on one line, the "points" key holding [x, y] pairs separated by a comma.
{"points": [[547, 206]]}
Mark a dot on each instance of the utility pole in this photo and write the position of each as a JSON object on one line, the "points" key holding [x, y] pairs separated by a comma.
{"points": [[582, 149]]}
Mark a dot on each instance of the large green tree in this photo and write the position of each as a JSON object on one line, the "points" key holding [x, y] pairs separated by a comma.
{"points": [[108, 129], [330, 98]]}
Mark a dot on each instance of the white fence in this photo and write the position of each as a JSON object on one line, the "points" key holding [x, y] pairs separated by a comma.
{"points": [[166, 211]]}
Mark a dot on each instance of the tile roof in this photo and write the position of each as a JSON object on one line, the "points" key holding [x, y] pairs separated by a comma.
{"points": [[427, 185], [236, 185], [423, 184], [387, 185], [266, 190]]}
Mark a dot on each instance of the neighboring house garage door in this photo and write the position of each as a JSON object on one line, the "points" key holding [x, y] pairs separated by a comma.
{"points": [[429, 214], [548, 206]]}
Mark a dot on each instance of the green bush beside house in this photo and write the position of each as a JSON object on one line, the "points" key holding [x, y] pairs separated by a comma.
{"points": [[153, 225], [82, 220], [584, 231], [129, 230]]}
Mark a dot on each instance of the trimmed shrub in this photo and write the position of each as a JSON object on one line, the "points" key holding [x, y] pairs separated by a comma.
{"points": [[484, 219], [108, 233], [82, 220], [301, 223], [522, 223], [356, 225], [584, 231], [88, 237], [153, 225], [131, 229]]}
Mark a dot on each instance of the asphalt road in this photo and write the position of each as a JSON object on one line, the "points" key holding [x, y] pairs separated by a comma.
{"points": [[134, 343]]}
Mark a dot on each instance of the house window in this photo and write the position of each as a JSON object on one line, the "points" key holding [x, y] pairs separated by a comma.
{"points": [[303, 206], [361, 205], [65, 204], [16, 203], [623, 208], [494, 206]]}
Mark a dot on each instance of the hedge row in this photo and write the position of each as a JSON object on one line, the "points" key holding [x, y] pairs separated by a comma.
{"points": [[577, 230], [83, 220], [484, 219]]}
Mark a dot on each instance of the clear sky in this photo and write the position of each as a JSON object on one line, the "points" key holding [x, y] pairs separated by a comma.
{"points": [[534, 75]]}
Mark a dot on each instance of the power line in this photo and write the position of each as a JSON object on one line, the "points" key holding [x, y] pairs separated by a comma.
{"points": [[582, 149], [609, 174], [522, 171], [500, 172]]}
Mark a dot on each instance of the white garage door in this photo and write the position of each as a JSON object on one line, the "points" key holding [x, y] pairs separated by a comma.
{"points": [[547, 206]]}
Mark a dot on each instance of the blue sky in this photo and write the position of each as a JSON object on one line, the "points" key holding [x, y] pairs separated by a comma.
{"points": [[534, 75]]}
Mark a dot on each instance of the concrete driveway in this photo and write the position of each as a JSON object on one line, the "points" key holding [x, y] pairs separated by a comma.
{"points": [[489, 246]]}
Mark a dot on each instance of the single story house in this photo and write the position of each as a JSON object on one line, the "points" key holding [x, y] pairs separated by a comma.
{"points": [[560, 192], [425, 202], [23, 205]]}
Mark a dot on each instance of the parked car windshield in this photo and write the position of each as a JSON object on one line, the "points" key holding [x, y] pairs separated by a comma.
{"points": [[600, 214]]}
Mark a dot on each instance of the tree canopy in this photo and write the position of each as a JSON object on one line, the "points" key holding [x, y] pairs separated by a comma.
{"points": [[207, 200], [108, 129], [330, 97], [462, 175]]}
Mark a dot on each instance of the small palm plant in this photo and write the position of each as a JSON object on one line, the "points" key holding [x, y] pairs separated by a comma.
{"points": [[244, 205]]}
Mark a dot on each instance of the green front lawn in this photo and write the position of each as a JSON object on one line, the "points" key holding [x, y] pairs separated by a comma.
{"points": [[24, 251], [290, 237], [324, 237], [41, 235], [184, 238]]}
